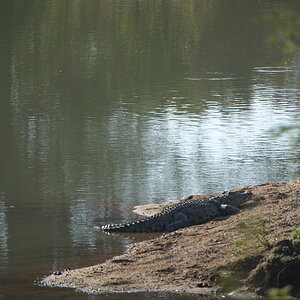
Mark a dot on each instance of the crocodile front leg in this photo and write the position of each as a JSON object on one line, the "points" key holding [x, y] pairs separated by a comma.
{"points": [[227, 209]]}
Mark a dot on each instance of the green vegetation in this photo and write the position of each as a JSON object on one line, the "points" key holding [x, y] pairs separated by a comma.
{"points": [[253, 237], [295, 234], [285, 24], [293, 130], [259, 267], [285, 27], [279, 294]]}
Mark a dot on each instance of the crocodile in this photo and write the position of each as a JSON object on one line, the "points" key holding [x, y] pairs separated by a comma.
{"points": [[184, 214]]}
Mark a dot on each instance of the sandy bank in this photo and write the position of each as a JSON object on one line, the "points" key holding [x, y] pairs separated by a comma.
{"points": [[190, 259]]}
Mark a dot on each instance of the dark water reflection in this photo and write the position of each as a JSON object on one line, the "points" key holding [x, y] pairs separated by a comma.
{"points": [[110, 104]]}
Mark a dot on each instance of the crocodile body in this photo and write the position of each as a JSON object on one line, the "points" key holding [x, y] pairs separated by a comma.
{"points": [[188, 213]]}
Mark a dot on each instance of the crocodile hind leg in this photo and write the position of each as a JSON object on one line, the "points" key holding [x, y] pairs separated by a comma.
{"points": [[180, 221]]}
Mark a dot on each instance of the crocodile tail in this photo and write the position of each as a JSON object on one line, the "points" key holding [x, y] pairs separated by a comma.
{"points": [[150, 224]]}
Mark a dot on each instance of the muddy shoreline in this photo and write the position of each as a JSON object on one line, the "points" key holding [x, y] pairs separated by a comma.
{"points": [[192, 259]]}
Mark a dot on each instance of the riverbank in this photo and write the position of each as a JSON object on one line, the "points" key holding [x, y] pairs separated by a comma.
{"points": [[220, 255]]}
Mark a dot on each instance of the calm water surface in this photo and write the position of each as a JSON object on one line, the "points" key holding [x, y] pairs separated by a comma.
{"points": [[109, 104]]}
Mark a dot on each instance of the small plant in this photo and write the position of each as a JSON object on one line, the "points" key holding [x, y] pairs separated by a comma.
{"points": [[295, 234], [279, 294]]}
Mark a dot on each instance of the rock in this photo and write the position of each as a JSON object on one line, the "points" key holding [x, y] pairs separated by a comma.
{"points": [[57, 273]]}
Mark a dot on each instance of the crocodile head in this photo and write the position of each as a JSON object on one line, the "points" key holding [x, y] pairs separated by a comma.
{"points": [[238, 198]]}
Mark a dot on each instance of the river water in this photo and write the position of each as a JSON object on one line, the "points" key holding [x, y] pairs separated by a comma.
{"points": [[109, 104]]}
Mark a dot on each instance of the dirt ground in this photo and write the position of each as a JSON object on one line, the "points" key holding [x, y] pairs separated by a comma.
{"points": [[188, 260]]}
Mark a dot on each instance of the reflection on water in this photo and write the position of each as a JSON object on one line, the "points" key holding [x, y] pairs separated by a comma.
{"points": [[273, 69], [3, 231], [110, 104], [81, 218]]}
